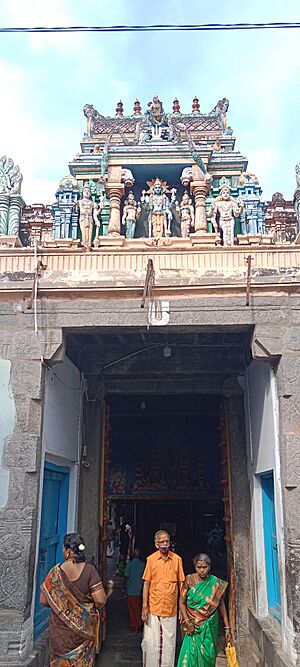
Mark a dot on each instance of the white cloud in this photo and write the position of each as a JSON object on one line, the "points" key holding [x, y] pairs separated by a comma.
{"points": [[32, 13], [31, 140]]}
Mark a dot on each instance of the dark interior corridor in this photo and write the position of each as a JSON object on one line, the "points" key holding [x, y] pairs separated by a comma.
{"points": [[164, 472]]}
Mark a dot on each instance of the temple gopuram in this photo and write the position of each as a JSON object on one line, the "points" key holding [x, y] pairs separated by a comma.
{"points": [[185, 159], [150, 370]]}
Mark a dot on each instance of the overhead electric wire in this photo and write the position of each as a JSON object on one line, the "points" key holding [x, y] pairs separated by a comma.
{"points": [[155, 27]]}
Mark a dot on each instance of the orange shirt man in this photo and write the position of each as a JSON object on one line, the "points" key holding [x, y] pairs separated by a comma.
{"points": [[163, 576]]}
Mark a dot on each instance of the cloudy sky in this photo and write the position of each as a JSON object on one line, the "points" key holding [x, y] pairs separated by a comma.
{"points": [[45, 80]]}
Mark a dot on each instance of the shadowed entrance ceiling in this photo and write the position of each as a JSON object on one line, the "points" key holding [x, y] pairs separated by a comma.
{"points": [[145, 357]]}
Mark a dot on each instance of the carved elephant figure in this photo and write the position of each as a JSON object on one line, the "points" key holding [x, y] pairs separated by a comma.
{"points": [[127, 178], [186, 176]]}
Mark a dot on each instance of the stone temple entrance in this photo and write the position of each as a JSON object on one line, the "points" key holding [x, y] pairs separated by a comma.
{"points": [[166, 469], [164, 444]]}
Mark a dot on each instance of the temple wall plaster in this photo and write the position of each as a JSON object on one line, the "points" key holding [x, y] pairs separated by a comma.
{"points": [[62, 407], [262, 415], [7, 423]]}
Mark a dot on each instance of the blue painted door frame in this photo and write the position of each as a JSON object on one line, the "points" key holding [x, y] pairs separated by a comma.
{"points": [[53, 528], [271, 544]]}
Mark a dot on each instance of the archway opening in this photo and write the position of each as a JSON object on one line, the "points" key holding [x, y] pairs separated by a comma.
{"points": [[166, 471]]}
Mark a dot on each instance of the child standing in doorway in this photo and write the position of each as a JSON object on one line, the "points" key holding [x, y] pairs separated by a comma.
{"points": [[133, 573]]}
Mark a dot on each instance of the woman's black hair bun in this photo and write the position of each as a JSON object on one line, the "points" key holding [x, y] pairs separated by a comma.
{"points": [[75, 543]]}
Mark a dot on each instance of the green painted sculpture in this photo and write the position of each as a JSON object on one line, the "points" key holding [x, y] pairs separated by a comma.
{"points": [[11, 201]]}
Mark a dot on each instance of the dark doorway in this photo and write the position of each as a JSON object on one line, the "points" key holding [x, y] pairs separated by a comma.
{"points": [[165, 472]]}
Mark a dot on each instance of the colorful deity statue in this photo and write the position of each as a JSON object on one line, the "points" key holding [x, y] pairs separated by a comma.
{"points": [[156, 125], [159, 207], [220, 110], [155, 112], [88, 216], [131, 213], [11, 200], [223, 210], [187, 216]]}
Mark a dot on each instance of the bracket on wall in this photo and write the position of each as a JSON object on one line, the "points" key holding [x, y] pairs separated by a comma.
{"points": [[40, 268], [149, 282], [248, 262]]}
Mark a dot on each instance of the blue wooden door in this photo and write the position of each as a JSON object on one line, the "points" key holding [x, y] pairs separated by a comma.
{"points": [[53, 528], [271, 545]]}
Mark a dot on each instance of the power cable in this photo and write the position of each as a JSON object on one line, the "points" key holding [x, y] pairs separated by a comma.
{"points": [[155, 27]]}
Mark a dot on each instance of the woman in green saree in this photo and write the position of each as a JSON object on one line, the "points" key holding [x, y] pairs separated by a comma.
{"points": [[201, 597]]}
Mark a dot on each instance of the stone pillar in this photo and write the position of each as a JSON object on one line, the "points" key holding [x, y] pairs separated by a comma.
{"points": [[199, 190], [199, 187], [15, 205], [115, 191], [240, 495], [20, 360], [4, 206], [288, 393], [89, 485]]}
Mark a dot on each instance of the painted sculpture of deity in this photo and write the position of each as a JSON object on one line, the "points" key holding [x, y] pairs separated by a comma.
{"points": [[223, 210], [131, 213], [10, 176], [10, 195], [220, 110], [88, 216], [155, 112], [159, 207], [187, 216]]}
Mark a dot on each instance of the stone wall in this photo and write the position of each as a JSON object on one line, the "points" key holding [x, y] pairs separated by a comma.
{"points": [[18, 518], [276, 327]]}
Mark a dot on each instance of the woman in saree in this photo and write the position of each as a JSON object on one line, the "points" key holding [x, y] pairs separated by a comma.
{"points": [[73, 590], [201, 597]]}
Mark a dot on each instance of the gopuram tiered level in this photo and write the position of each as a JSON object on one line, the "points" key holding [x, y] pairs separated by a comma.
{"points": [[150, 369]]}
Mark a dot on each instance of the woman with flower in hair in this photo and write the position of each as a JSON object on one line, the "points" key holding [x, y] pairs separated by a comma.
{"points": [[73, 590]]}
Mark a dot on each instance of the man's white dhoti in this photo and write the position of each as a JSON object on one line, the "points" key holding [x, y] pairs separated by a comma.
{"points": [[159, 641]]}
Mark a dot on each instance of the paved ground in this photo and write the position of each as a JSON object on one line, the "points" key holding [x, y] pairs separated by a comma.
{"points": [[121, 646]]}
